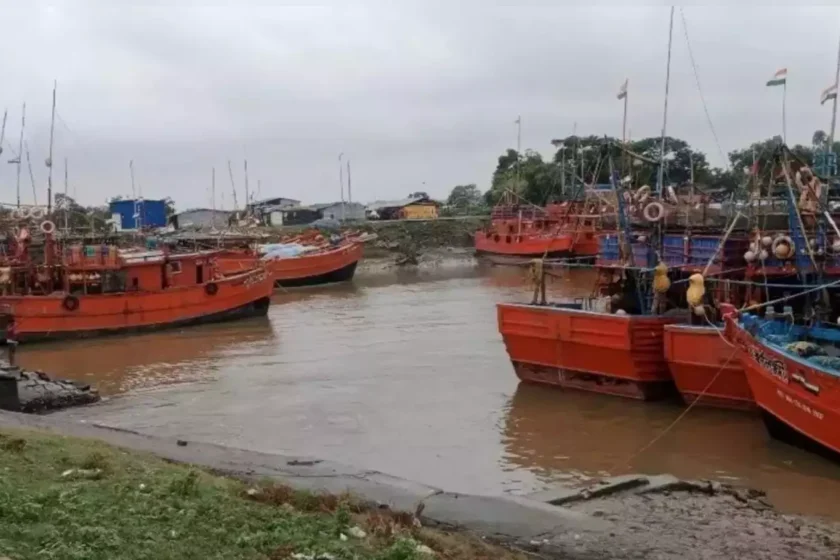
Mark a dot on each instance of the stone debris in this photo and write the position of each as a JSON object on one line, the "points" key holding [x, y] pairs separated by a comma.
{"points": [[35, 391]]}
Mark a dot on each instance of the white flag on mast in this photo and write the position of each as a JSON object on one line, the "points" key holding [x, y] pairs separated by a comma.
{"points": [[622, 92]]}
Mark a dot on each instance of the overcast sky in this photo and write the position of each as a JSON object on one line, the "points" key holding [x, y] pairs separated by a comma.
{"points": [[418, 96]]}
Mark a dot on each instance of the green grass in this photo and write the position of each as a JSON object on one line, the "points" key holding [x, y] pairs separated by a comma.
{"points": [[67, 498]]}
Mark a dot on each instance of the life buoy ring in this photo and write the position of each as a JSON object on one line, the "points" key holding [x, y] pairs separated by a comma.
{"points": [[211, 288], [654, 212], [16, 214], [643, 193], [37, 213], [786, 240], [70, 303], [47, 227], [23, 213]]}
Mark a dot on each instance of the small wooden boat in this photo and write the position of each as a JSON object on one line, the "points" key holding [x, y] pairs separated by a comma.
{"points": [[566, 346], [322, 265], [705, 366], [794, 382], [106, 292]]}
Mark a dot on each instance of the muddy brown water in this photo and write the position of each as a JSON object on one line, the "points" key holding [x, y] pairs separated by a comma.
{"points": [[406, 373]]}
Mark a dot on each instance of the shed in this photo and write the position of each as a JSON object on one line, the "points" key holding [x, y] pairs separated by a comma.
{"points": [[200, 218], [411, 208], [138, 214], [301, 215]]}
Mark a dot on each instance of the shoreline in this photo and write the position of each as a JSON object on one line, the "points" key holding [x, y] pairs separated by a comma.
{"points": [[629, 516]]}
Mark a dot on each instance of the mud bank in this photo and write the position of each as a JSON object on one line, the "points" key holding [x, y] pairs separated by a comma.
{"points": [[622, 517]]}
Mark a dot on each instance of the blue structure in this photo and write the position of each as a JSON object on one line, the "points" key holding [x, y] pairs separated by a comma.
{"points": [[139, 214]]}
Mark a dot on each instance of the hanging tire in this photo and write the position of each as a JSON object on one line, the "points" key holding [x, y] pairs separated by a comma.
{"points": [[37, 213], [70, 303], [654, 212], [16, 214], [211, 288], [24, 213], [47, 227]]}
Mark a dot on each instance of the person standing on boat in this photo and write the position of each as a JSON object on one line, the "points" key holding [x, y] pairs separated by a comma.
{"points": [[11, 340]]}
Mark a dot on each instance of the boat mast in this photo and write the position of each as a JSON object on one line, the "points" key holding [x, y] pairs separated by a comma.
{"points": [[66, 205], [49, 158], [834, 105], [660, 178], [20, 151], [247, 196], [3, 130], [233, 188]]}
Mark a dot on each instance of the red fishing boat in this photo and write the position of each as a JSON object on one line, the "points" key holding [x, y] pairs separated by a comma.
{"points": [[560, 230], [321, 264], [566, 346], [705, 367], [99, 290], [795, 383]]}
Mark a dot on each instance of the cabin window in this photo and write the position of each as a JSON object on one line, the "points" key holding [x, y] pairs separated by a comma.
{"points": [[135, 284], [175, 267], [199, 274], [113, 282]]}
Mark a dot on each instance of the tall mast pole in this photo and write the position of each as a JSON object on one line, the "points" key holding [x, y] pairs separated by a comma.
{"points": [[341, 182], [50, 158], [660, 179], [247, 195], [213, 194], [66, 205], [834, 106], [349, 185], [20, 151]]}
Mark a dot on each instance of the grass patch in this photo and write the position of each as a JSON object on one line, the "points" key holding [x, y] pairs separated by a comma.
{"points": [[67, 498]]}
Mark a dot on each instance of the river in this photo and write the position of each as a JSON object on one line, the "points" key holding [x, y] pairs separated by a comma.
{"points": [[405, 373]]}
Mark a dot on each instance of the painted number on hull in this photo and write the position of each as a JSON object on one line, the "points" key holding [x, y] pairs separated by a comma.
{"points": [[800, 405]]}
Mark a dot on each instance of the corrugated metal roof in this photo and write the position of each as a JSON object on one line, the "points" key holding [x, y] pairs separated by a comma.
{"points": [[379, 204]]}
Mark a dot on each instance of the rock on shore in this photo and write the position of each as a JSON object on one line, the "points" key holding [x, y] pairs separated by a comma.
{"points": [[35, 391]]}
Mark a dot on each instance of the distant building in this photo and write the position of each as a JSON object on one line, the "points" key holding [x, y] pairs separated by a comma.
{"points": [[301, 215], [419, 207], [129, 215], [201, 218]]}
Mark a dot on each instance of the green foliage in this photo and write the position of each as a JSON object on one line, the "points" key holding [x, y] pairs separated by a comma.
{"points": [[142, 507]]}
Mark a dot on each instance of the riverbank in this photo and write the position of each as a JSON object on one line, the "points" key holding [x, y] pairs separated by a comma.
{"points": [[624, 517], [67, 497]]}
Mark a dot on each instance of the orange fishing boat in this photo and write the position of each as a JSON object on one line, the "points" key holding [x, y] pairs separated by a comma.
{"points": [[552, 232], [322, 265], [99, 290], [794, 380], [569, 347], [705, 366]]}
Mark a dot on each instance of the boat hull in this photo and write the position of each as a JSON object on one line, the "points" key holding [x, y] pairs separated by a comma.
{"points": [[42, 318], [618, 355], [335, 265], [524, 246], [790, 392], [706, 368]]}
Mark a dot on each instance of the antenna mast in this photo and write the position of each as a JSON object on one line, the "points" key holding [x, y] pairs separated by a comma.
{"points": [[66, 205], [20, 152]]}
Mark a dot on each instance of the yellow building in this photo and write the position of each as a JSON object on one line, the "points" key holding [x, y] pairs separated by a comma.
{"points": [[420, 211]]}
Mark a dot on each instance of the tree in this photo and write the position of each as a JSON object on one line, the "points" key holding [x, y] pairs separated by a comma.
{"points": [[464, 196]]}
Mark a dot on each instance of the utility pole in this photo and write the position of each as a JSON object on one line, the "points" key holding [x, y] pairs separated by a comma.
{"points": [[50, 157]]}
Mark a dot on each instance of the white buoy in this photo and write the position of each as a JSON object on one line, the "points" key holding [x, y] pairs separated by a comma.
{"points": [[766, 240], [762, 255], [749, 256], [836, 246], [838, 320], [642, 238], [620, 312], [699, 310]]}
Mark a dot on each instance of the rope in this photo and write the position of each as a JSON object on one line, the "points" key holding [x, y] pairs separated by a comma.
{"points": [[700, 90], [786, 298], [682, 415]]}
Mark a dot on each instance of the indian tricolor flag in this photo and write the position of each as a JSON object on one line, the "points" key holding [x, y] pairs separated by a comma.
{"points": [[828, 94], [779, 78], [622, 91]]}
